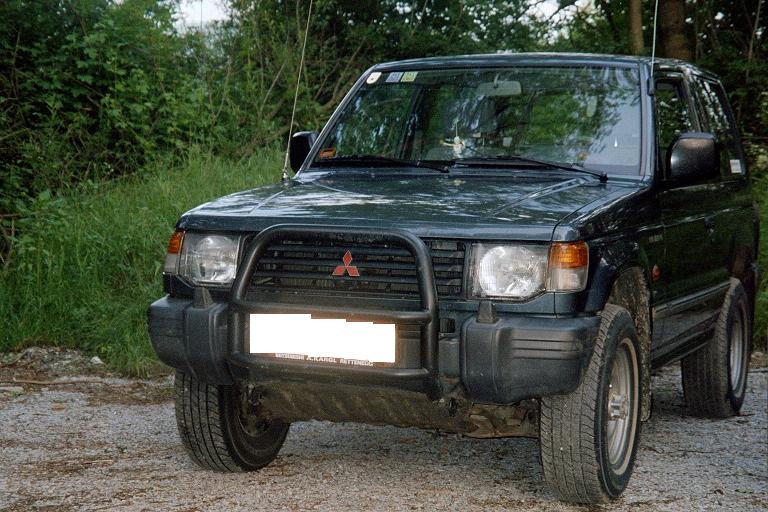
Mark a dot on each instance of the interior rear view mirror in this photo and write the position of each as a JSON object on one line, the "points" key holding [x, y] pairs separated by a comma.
{"points": [[499, 88]]}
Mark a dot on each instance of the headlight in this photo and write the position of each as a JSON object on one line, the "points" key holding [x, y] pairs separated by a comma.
{"points": [[522, 271], [509, 271], [208, 259]]}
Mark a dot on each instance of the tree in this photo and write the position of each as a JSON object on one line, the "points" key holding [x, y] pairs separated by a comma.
{"points": [[254, 70], [636, 26], [673, 32]]}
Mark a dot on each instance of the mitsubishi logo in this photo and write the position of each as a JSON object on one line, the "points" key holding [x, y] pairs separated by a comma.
{"points": [[346, 267]]}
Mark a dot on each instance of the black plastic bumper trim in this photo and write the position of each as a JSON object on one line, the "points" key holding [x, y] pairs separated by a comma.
{"points": [[517, 358], [192, 339]]}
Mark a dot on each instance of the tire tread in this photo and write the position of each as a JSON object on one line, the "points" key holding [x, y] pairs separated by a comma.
{"points": [[706, 383], [567, 425], [199, 420]]}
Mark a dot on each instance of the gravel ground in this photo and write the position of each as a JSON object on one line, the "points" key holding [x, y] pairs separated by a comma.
{"points": [[111, 444]]}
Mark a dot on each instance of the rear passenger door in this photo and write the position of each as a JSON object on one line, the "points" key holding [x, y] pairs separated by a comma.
{"points": [[691, 264]]}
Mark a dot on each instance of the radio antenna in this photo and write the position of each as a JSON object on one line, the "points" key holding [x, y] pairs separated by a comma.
{"points": [[286, 176], [652, 84]]}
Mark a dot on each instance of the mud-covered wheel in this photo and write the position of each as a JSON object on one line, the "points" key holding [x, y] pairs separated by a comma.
{"points": [[589, 437], [715, 376], [222, 430]]}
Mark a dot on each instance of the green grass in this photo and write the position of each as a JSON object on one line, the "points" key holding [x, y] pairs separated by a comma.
{"points": [[90, 262]]}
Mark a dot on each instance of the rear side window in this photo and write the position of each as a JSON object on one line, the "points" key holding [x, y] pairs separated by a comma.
{"points": [[717, 119]]}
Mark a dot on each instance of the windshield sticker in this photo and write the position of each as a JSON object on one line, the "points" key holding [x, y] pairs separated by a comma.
{"points": [[409, 76], [736, 166], [327, 153], [394, 77], [373, 77]]}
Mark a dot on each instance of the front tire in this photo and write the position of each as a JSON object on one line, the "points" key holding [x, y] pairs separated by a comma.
{"points": [[715, 376], [589, 437], [220, 428]]}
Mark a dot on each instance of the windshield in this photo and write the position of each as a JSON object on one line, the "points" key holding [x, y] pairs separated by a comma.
{"points": [[587, 116]]}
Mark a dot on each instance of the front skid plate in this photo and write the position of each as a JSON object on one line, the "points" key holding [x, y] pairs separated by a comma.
{"points": [[294, 401]]}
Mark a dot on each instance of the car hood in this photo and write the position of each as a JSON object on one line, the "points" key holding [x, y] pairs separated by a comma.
{"points": [[462, 206]]}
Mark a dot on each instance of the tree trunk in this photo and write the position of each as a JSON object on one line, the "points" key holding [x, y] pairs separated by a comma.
{"points": [[673, 31], [636, 26]]}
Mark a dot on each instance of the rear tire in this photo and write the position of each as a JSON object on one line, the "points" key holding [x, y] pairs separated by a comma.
{"points": [[715, 376], [589, 437], [221, 430]]}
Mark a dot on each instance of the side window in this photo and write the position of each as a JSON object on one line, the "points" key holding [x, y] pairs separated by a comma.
{"points": [[672, 114], [717, 119]]}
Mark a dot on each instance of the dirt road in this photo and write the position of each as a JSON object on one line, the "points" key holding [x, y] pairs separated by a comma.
{"points": [[111, 444]]}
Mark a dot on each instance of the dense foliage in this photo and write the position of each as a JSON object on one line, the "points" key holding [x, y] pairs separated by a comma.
{"points": [[92, 89], [97, 91]]}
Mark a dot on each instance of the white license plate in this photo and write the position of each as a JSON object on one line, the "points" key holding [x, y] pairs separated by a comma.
{"points": [[301, 337]]}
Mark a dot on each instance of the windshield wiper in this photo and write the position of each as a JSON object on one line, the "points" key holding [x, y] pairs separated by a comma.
{"points": [[377, 159], [517, 160]]}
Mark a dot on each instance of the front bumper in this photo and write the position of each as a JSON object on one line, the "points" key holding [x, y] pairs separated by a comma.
{"points": [[491, 359], [498, 361]]}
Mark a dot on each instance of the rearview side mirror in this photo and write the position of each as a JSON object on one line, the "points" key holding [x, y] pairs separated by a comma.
{"points": [[301, 144], [693, 156]]}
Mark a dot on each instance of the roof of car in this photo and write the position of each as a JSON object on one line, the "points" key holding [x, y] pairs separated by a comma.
{"points": [[511, 58]]}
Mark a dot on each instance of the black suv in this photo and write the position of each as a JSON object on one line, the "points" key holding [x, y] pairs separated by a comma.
{"points": [[492, 245]]}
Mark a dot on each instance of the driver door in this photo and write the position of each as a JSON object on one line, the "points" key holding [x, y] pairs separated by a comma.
{"points": [[691, 263]]}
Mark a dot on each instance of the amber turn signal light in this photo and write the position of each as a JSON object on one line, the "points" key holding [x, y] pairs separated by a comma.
{"points": [[174, 249], [568, 264], [174, 244], [568, 255]]}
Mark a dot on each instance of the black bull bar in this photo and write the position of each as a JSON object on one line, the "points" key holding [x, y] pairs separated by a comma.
{"points": [[424, 379]]}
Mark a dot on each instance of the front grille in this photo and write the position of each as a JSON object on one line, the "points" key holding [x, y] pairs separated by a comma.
{"points": [[384, 270]]}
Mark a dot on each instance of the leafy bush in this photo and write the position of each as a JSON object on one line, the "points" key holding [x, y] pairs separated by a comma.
{"points": [[93, 89]]}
